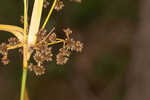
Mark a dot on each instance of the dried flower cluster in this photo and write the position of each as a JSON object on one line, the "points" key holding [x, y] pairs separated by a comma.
{"points": [[4, 49], [43, 53], [59, 5], [42, 50], [46, 4]]}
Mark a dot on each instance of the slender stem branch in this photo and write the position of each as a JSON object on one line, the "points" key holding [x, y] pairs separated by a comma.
{"points": [[49, 14], [48, 34], [23, 86], [25, 54], [25, 19], [60, 41]]}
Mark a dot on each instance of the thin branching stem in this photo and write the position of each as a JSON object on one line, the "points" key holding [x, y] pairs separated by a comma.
{"points": [[49, 14], [25, 53]]}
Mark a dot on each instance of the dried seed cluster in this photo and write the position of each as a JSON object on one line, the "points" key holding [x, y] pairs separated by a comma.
{"points": [[13, 41], [43, 53], [69, 45], [42, 50], [39, 70], [59, 5], [45, 4], [4, 49]]}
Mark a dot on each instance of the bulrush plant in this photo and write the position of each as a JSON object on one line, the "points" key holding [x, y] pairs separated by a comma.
{"points": [[35, 42]]}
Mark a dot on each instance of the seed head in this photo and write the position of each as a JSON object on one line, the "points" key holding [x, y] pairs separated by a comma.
{"points": [[5, 60], [38, 57], [61, 59], [40, 35], [78, 46], [70, 44], [39, 70], [47, 54], [3, 48], [13, 41], [59, 5], [43, 45], [67, 32], [64, 51], [31, 67], [45, 4], [52, 37]]}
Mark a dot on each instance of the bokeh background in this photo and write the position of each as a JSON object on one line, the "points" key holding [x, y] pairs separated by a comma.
{"points": [[114, 64]]}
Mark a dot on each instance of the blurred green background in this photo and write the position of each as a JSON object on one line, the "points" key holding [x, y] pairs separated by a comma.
{"points": [[106, 27]]}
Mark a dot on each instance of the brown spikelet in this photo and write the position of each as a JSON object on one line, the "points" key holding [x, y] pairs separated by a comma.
{"points": [[45, 4], [64, 51], [39, 70], [52, 37], [78, 46], [47, 54], [61, 59], [5, 60], [59, 5], [3, 48], [13, 41], [67, 31], [38, 57], [70, 44]]}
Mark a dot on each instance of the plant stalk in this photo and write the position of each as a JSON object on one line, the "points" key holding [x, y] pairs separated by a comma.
{"points": [[49, 14], [23, 86], [25, 55]]}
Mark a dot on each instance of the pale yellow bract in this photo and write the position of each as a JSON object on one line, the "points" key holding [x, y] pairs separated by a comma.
{"points": [[35, 22], [15, 30]]}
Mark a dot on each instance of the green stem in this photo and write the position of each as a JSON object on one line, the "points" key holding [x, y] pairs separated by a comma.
{"points": [[49, 14], [25, 62], [25, 19], [23, 85]]}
